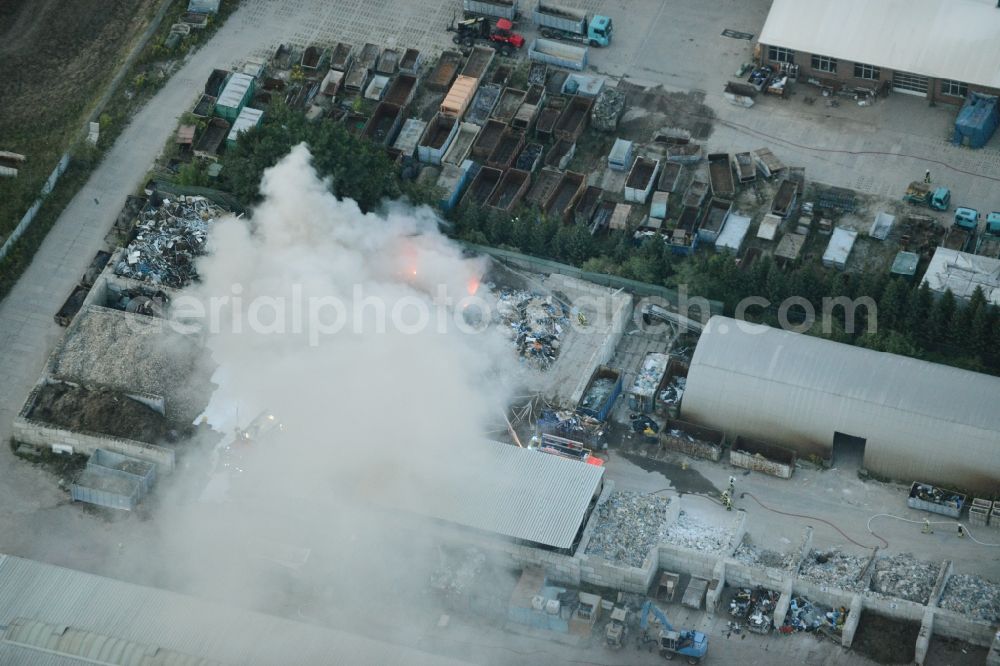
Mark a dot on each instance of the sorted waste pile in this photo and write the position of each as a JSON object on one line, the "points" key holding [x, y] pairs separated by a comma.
{"points": [[535, 324], [906, 577], [673, 392], [804, 615], [691, 533], [628, 525], [836, 569], [973, 596], [167, 240], [650, 374], [750, 555], [756, 606]]}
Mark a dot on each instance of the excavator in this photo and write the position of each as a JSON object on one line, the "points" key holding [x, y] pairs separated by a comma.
{"points": [[687, 643]]}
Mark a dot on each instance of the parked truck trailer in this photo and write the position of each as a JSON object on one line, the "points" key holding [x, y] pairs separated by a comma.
{"points": [[558, 22]]}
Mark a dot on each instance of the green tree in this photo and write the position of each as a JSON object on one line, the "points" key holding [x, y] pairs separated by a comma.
{"points": [[941, 322]]}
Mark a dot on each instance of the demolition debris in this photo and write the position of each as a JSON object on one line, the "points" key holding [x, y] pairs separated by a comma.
{"points": [[673, 392], [627, 526], [535, 323], [906, 577], [752, 556], [691, 533], [166, 241], [804, 615], [972, 596], [836, 569], [756, 607]]}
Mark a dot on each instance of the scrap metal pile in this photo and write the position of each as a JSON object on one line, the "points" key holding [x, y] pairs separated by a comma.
{"points": [[535, 324], [673, 392], [756, 606], [627, 527], [691, 533], [906, 577], [168, 237], [608, 108], [144, 301], [804, 615], [836, 569], [973, 596], [571, 425]]}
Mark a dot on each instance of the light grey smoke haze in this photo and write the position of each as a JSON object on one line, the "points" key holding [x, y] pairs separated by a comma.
{"points": [[376, 424]]}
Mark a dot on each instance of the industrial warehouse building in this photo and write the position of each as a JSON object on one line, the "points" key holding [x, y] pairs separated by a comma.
{"points": [[938, 49], [914, 420]]}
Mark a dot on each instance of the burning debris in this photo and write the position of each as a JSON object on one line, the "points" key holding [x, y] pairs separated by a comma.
{"points": [[627, 526], [167, 240], [756, 606], [836, 569], [973, 596], [696, 535], [535, 323], [906, 577]]}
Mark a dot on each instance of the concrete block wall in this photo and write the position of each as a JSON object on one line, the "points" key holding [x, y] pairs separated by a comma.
{"points": [[954, 625], [852, 621], [924, 637], [43, 436]]}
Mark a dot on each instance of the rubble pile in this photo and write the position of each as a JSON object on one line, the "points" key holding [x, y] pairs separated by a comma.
{"points": [[756, 606], [627, 526], [572, 425], [535, 323], [804, 615], [608, 108], [752, 556], [691, 533], [905, 577], [836, 569], [454, 575], [973, 596], [167, 240], [673, 392], [144, 301]]}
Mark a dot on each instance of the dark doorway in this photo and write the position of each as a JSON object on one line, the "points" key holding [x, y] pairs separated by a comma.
{"points": [[848, 450]]}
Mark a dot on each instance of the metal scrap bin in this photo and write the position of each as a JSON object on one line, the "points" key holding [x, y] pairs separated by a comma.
{"points": [[104, 487], [141, 470]]}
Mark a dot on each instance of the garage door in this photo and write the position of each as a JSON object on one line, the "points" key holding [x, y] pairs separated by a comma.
{"points": [[910, 84]]}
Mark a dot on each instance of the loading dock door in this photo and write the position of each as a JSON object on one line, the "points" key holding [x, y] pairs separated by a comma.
{"points": [[910, 84], [848, 450]]}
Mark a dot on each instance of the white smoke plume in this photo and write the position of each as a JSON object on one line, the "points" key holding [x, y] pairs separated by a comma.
{"points": [[378, 421]]}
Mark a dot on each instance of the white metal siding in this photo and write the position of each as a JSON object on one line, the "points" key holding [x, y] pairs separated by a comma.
{"points": [[921, 420]]}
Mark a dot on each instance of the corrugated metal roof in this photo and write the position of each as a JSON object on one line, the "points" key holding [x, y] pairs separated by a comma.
{"points": [[518, 493], [97, 606], [945, 39], [840, 246], [798, 361], [962, 273], [248, 119], [733, 233], [236, 88]]}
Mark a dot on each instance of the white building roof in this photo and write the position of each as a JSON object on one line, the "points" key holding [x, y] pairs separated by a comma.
{"points": [[733, 233], [248, 119], [840, 246], [236, 88], [962, 273], [944, 39], [94, 609], [769, 227]]}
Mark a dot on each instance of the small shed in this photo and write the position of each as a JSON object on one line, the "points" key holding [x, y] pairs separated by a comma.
{"points": [[905, 265], [658, 208], [769, 227], [839, 250], [882, 226], [236, 94], [248, 119], [619, 218], [790, 248], [185, 135], [733, 234], [620, 157]]}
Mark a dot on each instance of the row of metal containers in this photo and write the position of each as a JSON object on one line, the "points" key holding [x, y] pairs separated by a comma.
{"points": [[113, 480]]}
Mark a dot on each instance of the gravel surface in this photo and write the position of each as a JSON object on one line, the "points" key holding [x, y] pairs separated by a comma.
{"points": [[972, 595], [691, 533], [836, 569], [628, 525], [906, 577]]}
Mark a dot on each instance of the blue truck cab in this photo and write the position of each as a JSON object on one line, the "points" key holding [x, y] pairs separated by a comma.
{"points": [[967, 218], [599, 31]]}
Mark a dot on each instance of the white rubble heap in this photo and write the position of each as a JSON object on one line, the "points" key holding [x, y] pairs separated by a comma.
{"points": [[835, 569], [905, 577], [692, 533], [627, 526], [753, 556], [974, 596]]}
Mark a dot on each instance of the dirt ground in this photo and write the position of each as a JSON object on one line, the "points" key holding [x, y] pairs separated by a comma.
{"points": [[885, 640], [101, 411], [55, 59], [952, 652]]}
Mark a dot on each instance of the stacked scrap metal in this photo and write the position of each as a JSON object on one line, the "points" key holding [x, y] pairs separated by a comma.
{"points": [[627, 526], [571, 425], [804, 615], [607, 109], [167, 240], [756, 606], [536, 324], [673, 392], [972, 596]]}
